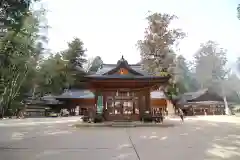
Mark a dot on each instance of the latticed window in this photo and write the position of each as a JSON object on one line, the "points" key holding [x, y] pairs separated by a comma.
{"points": [[122, 103]]}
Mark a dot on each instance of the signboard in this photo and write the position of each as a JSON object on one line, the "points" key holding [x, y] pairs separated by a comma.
{"points": [[99, 104]]}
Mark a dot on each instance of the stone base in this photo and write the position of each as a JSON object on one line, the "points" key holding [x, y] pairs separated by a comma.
{"points": [[125, 124]]}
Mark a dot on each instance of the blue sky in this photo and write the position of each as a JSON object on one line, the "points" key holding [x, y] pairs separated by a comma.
{"points": [[111, 28]]}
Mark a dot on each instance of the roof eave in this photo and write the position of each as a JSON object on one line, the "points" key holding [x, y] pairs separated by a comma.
{"points": [[126, 77]]}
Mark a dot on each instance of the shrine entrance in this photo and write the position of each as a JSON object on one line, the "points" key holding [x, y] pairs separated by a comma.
{"points": [[122, 106], [123, 90]]}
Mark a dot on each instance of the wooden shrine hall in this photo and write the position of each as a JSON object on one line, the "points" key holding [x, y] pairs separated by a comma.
{"points": [[122, 91]]}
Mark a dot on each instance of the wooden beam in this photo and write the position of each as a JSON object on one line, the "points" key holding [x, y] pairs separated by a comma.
{"points": [[128, 81]]}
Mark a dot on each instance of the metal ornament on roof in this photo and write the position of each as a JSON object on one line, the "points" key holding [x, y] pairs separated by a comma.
{"points": [[122, 58]]}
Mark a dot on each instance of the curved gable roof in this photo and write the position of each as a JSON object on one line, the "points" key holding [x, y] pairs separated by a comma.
{"points": [[108, 69], [122, 63]]}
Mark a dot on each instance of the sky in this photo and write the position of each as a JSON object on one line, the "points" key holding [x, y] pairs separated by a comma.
{"points": [[111, 28]]}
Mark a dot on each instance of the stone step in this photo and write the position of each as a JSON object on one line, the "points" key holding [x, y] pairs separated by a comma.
{"points": [[122, 121], [123, 124]]}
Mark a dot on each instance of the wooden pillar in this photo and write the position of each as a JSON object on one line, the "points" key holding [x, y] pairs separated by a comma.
{"points": [[99, 94], [141, 103], [104, 100], [134, 105], [95, 100], [148, 100]]}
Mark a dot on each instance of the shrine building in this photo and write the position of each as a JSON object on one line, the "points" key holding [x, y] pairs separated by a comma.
{"points": [[123, 91]]}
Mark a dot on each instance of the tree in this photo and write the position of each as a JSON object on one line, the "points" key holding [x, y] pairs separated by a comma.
{"points": [[94, 64], [157, 47], [210, 69], [238, 11], [62, 70], [53, 77], [210, 65], [232, 89], [184, 77], [14, 13], [75, 54], [76, 58], [19, 54], [88, 64]]}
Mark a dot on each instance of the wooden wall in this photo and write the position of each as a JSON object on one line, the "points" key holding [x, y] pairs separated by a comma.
{"points": [[84, 103], [203, 110], [161, 103]]}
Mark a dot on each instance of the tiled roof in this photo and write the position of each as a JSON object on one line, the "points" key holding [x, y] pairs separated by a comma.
{"points": [[139, 69], [200, 96], [87, 94], [108, 71], [107, 67], [45, 100], [193, 95], [76, 94]]}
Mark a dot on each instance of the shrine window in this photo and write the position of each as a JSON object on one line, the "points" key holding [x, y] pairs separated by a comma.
{"points": [[128, 107], [122, 102]]}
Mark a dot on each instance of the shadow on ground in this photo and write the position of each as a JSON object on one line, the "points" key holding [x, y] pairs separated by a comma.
{"points": [[227, 147], [224, 140]]}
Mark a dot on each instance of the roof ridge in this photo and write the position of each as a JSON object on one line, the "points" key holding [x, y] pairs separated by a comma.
{"points": [[135, 65], [108, 64], [198, 91]]}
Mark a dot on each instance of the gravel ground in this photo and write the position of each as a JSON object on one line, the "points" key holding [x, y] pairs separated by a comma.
{"points": [[197, 140]]}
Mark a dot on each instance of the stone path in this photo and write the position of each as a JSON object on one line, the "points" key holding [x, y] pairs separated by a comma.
{"points": [[223, 118], [37, 121]]}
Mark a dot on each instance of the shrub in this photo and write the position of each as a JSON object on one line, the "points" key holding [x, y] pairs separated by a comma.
{"points": [[98, 118], [147, 118], [85, 118]]}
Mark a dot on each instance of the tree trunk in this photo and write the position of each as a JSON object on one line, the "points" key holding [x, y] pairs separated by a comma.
{"points": [[227, 111], [2, 112]]}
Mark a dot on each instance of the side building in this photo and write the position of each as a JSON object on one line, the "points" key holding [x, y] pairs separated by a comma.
{"points": [[202, 102]]}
